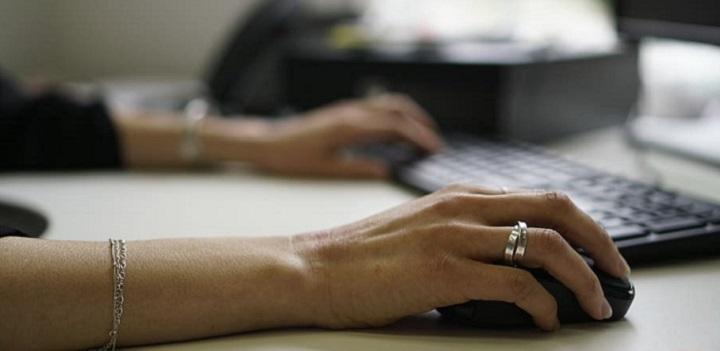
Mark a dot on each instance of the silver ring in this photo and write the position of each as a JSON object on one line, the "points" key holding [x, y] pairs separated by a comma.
{"points": [[521, 241], [509, 257]]}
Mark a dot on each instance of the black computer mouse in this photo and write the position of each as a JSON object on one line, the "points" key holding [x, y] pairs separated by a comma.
{"points": [[619, 293], [20, 220]]}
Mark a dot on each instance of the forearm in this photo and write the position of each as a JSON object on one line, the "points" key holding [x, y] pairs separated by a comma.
{"points": [[152, 141], [57, 294]]}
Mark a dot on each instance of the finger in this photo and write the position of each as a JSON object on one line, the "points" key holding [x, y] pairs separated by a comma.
{"points": [[483, 190], [403, 104], [555, 210], [411, 130], [548, 250], [513, 285], [381, 125]]}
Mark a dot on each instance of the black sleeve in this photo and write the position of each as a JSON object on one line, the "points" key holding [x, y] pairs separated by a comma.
{"points": [[53, 132]]}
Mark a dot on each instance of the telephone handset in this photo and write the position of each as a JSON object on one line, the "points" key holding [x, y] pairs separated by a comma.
{"points": [[245, 78]]}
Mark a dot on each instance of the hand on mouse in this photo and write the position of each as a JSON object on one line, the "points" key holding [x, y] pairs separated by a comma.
{"points": [[312, 143], [444, 248]]}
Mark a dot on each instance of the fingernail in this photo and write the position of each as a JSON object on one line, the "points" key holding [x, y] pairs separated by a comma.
{"points": [[553, 327], [606, 309], [625, 268]]}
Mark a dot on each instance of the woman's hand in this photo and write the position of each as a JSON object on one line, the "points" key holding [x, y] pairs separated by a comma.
{"points": [[443, 249], [313, 143], [308, 144], [435, 251]]}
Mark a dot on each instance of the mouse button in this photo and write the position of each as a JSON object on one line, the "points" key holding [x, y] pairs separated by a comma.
{"points": [[612, 282], [588, 260], [620, 308], [500, 314], [624, 294], [541, 275], [465, 311], [568, 307], [616, 283]]}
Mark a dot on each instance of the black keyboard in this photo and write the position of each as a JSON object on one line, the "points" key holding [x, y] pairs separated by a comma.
{"points": [[646, 222]]}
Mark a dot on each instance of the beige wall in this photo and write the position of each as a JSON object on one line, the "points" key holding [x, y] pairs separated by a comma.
{"points": [[23, 39], [88, 39]]}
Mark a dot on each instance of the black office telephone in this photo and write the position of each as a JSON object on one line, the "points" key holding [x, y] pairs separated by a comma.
{"points": [[246, 77]]}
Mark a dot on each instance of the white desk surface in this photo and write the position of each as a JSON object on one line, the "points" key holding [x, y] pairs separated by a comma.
{"points": [[677, 305]]}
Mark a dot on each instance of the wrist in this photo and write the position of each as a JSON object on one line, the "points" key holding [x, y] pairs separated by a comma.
{"points": [[316, 254], [233, 140], [275, 286]]}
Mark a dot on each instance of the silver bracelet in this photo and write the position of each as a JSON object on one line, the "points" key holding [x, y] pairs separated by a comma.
{"points": [[118, 252], [195, 111]]}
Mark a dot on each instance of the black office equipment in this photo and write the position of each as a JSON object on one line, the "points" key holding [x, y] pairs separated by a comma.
{"points": [[647, 223], [246, 77], [527, 94], [243, 77], [18, 220], [619, 293], [697, 20]]}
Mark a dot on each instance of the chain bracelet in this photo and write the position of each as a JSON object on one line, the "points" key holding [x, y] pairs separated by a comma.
{"points": [[118, 253]]}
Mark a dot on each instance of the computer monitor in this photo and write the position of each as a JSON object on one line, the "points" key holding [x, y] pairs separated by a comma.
{"points": [[696, 20]]}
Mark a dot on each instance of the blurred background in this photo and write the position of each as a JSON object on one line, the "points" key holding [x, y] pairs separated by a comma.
{"points": [[181, 45], [85, 39]]}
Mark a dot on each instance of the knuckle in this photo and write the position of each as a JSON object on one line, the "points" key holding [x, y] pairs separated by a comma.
{"points": [[591, 285], [454, 226], [551, 240], [558, 199], [401, 96], [345, 125], [398, 98], [429, 239], [398, 122], [449, 204], [440, 264], [521, 285], [455, 188]]}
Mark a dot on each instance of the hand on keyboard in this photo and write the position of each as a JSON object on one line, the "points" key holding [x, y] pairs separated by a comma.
{"points": [[312, 143]]}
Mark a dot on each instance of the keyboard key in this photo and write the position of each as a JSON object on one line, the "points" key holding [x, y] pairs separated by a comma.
{"points": [[626, 232], [713, 217], [612, 222], [642, 217], [625, 212], [669, 212], [699, 208], [672, 224], [626, 208], [589, 205]]}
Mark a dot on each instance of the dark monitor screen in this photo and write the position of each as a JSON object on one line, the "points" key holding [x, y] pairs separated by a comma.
{"points": [[695, 20]]}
